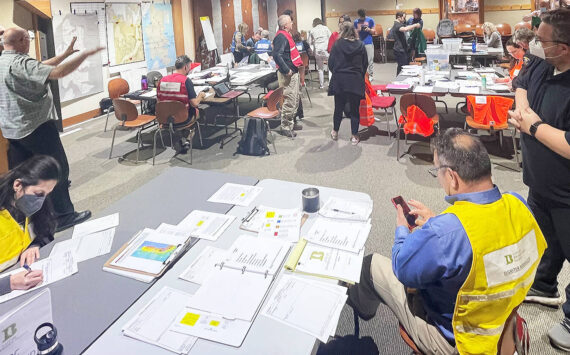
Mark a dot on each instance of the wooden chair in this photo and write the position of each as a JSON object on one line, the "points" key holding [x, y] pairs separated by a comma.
{"points": [[379, 30], [479, 32], [170, 115], [504, 29], [425, 103], [129, 119], [523, 24], [379, 44], [429, 34], [465, 31], [116, 87], [271, 111], [388, 38], [302, 72]]}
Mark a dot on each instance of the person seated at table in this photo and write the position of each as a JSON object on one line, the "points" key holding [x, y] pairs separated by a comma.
{"points": [[254, 39], [239, 47], [491, 36], [26, 218], [264, 44], [523, 37], [517, 53], [178, 87], [466, 278]]}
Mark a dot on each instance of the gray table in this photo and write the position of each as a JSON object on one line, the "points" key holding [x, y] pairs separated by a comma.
{"points": [[85, 304], [266, 336]]}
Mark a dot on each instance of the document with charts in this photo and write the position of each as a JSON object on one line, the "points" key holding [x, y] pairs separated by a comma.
{"points": [[152, 323], [307, 305], [345, 235], [203, 265], [237, 286], [235, 194], [88, 246], [206, 225], [283, 224]]}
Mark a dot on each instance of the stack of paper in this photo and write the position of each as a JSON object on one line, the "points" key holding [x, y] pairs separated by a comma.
{"points": [[446, 84], [203, 265], [152, 324], [235, 194], [205, 225], [423, 89], [469, 90], [345, 235], [307, 305], [340, 208]]}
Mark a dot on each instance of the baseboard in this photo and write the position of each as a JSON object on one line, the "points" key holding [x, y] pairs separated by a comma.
{"points": [[81, 118]]}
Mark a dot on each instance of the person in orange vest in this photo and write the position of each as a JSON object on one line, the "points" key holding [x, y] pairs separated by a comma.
{"points": [[178, 87], [517, 53], [471, 266]]}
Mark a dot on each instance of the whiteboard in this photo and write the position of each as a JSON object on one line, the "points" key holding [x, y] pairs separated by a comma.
{"points": [[208, 33]]}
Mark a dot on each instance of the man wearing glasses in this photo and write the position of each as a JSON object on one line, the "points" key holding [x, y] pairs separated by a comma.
{"points": [[543, 116], [471, 266]]}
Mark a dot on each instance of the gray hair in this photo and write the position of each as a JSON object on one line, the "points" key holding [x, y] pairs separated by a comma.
{"points": [[463, 153], [523, 35], [265, 34], [282, 20]]}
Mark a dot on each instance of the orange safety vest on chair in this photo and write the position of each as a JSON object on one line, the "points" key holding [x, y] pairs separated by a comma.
{"points": [[365, 109], [417, 122], [489, 110]]}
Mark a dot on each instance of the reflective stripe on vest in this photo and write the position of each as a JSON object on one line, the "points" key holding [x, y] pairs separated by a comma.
{"points": [[173, 87], [295, 56], [507, 246], [233, 45], [13, 239]]}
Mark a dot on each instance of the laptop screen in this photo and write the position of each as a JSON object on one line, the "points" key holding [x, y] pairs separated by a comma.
{"points": [[221, 88]]}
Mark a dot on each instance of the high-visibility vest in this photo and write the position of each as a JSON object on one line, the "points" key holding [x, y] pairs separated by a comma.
{"points": [[490, 110], [233, 45], [515, 70], [262, 46], [365, 109], [507, 246], [295, 56], [173, 87], [13, 240], [417, 122]]}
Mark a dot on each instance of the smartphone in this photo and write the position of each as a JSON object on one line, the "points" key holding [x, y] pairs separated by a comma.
{"points": [[409, 217]]}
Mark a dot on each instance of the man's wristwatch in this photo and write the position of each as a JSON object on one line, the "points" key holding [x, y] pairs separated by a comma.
{"points": [[534, 127]]}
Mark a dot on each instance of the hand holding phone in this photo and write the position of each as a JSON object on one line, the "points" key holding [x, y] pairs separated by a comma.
{"points": [[410, 218]]}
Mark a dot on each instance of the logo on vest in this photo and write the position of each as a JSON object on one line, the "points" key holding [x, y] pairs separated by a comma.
{"points": [[9, 332]]}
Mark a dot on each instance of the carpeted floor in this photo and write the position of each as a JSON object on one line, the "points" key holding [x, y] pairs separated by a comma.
{"points": [[311, 158]]}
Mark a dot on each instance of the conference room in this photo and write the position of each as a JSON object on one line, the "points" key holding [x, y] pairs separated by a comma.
{"points": [[284, 177]]}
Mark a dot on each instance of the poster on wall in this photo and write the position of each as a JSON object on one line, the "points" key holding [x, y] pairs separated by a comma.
{"points": [[124, 33], [158, 35], [88, 78], [208, 33]]}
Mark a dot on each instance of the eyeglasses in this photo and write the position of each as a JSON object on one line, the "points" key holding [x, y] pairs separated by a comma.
{"points": [[512, 53], [435, 170], [538, 40]]}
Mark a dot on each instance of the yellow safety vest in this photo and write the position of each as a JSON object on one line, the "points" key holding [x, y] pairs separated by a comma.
{"points": [[507, 246], [13, 240]]}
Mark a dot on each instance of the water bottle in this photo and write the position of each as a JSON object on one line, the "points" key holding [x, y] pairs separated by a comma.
{"points": [[422, 78], [144, 83], [484, 82], [474, 45]]}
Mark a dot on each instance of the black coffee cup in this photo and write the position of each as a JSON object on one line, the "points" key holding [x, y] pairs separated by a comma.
{"points": [[311, 201]]}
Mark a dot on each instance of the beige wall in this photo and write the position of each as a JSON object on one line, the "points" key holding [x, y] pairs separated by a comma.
{"points": [[12, 15], [511, 17], [307, 11]]}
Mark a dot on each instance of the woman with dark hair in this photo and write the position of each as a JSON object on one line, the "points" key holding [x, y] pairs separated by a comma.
{"points": [[335, 35], [416, 18], [516, 53], [26, 220], [348, 62]]}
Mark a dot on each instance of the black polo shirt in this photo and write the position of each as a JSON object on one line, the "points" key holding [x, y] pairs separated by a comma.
{"points": [[544, 171]]}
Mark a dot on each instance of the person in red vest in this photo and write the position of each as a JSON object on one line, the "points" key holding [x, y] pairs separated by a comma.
{"points": [[335, 35], [178, 87]]}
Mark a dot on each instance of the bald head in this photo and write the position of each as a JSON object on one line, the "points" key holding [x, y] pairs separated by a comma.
{"points": [[17, 39]]}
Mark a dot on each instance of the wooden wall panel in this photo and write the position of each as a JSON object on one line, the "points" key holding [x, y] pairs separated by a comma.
{"points": [[228, 23], [263, 19], [200, 8], [247, 16], [177, 26], [283, 5]]}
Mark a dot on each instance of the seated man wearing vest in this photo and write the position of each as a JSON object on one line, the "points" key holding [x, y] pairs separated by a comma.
{"points": [[178, 87], [264, 44], [471, 266]]}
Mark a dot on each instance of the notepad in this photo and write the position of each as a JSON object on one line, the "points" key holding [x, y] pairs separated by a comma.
{"points": [[206, 225]]}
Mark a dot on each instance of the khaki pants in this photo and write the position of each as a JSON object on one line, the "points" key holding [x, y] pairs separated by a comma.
{"points": [[291, 95], [379, 284]]}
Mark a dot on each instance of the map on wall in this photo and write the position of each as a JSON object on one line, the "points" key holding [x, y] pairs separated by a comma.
{"points": [[124, 33], [158, 35], [88, 78]]}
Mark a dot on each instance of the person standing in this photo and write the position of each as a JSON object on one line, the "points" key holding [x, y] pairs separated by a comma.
{"points": [[27, 112], [288, 61], [416, 18], [401, 51], [348, 62], [543, 116], [319, 37], [365, 27], [238, 46]]}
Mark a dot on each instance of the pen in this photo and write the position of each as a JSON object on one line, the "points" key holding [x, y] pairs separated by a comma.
{"points": [[341, 211], [27, 267]]}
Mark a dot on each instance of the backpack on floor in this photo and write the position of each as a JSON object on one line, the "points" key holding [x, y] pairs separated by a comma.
{"points": [[254, 138]]}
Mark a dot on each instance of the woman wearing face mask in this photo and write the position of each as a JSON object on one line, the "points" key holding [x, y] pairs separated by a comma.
{"points": [[26, 222]]}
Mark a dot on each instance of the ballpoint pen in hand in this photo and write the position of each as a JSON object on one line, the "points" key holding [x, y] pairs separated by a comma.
{"points": [[27, 267]]}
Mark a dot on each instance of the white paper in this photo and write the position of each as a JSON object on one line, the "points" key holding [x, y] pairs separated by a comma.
{"points": [[96, 225], [446, 84], [340, 208], [469, 90], [484, 70], [199, 89], [210, 326], [203, 265], [424, 89], [175, 231], [152, 323], [258, 255], [206, 225], [151, 93], [335, 263], [498, 87], [86, 247], [235, 194], [345, 235], [467, 74], [54, 269], [306, 305], [282, 224]]}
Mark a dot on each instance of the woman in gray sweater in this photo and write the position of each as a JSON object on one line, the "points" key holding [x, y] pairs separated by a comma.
{"points": [[492, 37]]}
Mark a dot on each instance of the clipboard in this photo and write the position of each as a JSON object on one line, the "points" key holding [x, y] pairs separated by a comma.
{"points": [[249, 222]]}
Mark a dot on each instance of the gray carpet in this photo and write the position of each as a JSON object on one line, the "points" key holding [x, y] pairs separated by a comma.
{"points": [[311, 158]]}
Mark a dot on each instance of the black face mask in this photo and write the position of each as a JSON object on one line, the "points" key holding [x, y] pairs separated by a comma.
{"points": [[30, 204]]}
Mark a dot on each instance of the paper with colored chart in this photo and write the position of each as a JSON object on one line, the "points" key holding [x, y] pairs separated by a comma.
{"points": [[283, 224], [206, 225], [152, 323], [150, 251], [203, 265], [235, 194], [210, 326]]}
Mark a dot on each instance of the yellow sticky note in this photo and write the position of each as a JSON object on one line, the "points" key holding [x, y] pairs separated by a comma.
{"points": [[270, 214], [190, 319], [199, 223], [215, 323], [268, 225], [242, 194]]}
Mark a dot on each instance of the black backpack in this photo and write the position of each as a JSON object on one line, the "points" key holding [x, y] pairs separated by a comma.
{"points": [[254, 138]]}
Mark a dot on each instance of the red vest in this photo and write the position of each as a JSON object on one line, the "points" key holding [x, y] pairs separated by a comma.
{"points": [[490, 110], [173, 87], [295, 56], [416, 122]]}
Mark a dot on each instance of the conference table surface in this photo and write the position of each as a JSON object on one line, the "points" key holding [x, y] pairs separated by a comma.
{"points": [[86, 303], [266, 336]]}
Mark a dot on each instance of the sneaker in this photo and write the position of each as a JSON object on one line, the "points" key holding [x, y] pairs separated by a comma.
{"points": [[560, 335], [297, 127], [334, 135], [543, 298], [354, 140]]}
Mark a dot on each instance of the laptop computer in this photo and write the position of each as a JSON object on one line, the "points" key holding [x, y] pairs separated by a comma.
{"points": [[223, 90]]}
